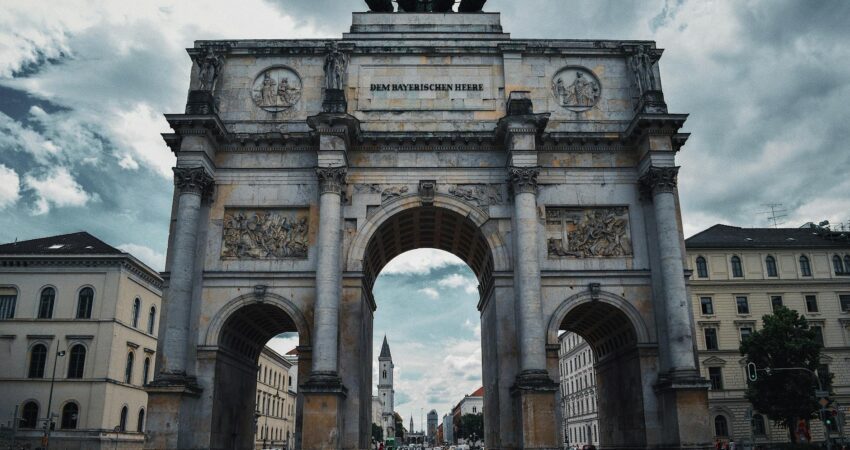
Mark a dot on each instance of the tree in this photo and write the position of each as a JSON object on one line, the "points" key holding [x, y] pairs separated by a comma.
{"points": [[786, 341], [400, 431], [471, 425], [377, 433]]}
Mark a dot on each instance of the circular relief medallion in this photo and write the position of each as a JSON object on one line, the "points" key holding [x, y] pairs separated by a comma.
{"points": [[277, 89], [576, 88]]}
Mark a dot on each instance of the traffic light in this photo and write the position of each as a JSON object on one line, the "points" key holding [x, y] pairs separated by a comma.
{"points": [[752, 372]]}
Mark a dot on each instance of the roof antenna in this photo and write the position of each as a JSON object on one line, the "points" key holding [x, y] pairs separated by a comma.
{"points": [[775, 213]]}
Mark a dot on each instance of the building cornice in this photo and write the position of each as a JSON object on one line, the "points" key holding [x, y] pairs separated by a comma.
{"points": [[123, 261]]}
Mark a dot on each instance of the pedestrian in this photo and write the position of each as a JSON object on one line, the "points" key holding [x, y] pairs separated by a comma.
{"points": [[732, 445]]}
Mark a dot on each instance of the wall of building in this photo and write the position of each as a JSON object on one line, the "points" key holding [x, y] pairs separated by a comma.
{"points": [[578, 390], [108, 337], [275, 407]]}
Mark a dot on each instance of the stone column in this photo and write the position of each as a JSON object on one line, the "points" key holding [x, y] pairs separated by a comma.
{"points": [[661, 183], [328, 272], [532, 336], [192, 184]]}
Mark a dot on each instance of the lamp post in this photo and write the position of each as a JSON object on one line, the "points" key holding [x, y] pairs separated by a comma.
{"points": [[49, 419]]}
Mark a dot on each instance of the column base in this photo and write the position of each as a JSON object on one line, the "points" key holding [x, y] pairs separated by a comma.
{"points": [[324, 395], [683, 402], [170, 401], [534, 400]]}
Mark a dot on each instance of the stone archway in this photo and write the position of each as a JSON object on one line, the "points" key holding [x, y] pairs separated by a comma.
{"points": [[622, 346], [228, 363], [452, 225]]}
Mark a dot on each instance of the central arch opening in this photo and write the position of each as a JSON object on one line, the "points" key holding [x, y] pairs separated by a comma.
{"points": [[426, 269]]}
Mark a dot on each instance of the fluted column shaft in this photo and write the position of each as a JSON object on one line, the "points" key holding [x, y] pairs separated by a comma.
{"points": [[531, 334], [328, 271], [662, 182], [192, 184]]}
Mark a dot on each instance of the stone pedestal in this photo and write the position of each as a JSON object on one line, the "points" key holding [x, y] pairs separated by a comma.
{"points": [[171, 407], [324, 397], [684, 403], [534, 397]]}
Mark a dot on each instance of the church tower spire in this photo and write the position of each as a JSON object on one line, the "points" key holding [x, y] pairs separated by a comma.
{"points": [[386, 393]]}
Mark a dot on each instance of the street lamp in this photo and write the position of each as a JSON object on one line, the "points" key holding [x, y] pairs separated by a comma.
{"points": [[49, 419]]}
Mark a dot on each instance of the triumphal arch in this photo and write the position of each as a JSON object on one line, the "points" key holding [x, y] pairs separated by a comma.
{"points": [[304, 166]]}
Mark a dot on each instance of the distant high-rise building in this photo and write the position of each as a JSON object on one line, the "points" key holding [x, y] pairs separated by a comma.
{"points": [[433, 421]]}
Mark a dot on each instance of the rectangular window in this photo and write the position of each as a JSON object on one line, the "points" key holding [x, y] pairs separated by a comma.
{"points": [[824, 376], [743, 304], [746, 332], [812, 303], [845, 302], [711, 339], [818, 333], [775, 301], [707, 305], [715, 374]]}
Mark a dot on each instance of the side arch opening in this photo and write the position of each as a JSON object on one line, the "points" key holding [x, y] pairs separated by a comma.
{"points": [[600, 372]]}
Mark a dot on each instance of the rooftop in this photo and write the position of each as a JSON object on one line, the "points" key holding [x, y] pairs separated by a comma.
{"points": [[81, 243], [808, 236]]}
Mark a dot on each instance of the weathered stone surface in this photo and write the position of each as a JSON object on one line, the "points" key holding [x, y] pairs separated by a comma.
{"points": [[523, 156]]}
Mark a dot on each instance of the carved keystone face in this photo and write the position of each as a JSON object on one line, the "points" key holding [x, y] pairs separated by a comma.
{"points": [[277, 89], [576, 88]]}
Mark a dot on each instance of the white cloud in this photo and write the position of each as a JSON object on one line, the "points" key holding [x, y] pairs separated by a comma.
{"points": [[454, 281], [139, 131], [57, 188], [147, 255], [421, 262], [430, 292], [284, 343], [10, 187]]}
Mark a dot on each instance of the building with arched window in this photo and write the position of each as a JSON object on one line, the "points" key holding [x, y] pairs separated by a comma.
{"points": [[753, 271], [276, 401], [76, 296]]}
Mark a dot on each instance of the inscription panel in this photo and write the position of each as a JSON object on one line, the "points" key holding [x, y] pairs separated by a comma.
{"points": [[588, 232], [427, 88], [265, 233]]}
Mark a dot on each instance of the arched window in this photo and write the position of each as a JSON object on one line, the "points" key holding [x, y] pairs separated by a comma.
{"points": [[847, 263], [759, 428], [805, 267], [385, 374], [70, 413], [45, 303], [38, 359], [137, 308], [151, 319], [76, 361], [702, 267], [837, 265], [85, 301], [140, 424], [737, 269], [721, 426], [128, 371], [29, 415], [122, 422], [146, 369], [770, 264], [8, 299]]}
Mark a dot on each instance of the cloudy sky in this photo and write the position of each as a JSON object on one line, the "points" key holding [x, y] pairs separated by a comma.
{"points": [[84, 83]]}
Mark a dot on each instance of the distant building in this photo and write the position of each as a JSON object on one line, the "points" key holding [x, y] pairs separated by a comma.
{"points": [[377, 410], [742, 274], [440, 439], [448, 429], [578, 390], [77, 307], [276, 402], [470, 404], [433, 420], [386, 394]]}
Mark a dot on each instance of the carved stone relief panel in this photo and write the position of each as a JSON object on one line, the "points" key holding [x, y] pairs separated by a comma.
{"points": [[264, 233], [387, 191], [588, 232], [576, 88], [277, 89], [479, 194]]}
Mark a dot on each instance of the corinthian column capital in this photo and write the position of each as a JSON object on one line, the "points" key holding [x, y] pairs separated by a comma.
{"points": [[523, 179], [660, 179], [331, 179], [193, 180]]}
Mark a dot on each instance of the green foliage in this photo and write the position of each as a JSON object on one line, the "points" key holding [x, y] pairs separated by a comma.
{"points": [[786, 341], [400, 431], [471, 424], [377, 433]]}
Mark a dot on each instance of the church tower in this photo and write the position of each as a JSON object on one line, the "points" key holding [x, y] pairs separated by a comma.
{"points": [[385, 389]]}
